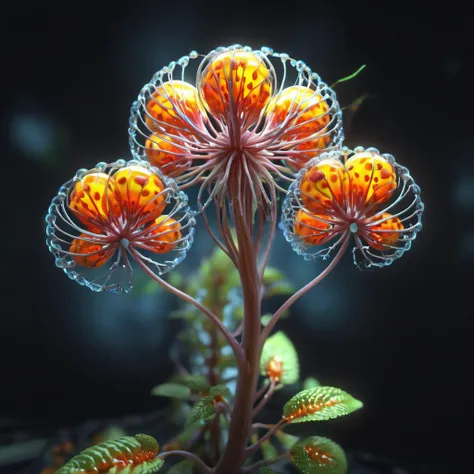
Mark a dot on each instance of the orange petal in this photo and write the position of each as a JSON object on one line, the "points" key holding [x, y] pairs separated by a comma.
{"points": [[170, 231], [274, 368], [90, 254], [163, 152], [322, 186], [89, 200], [385, 233], [140, 191], [169, 103], [311, 228], [240, 74], [306, 111], [372, 179]]}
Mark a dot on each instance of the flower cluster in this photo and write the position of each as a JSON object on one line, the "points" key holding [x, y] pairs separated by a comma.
{"points": [[109, 213], [252, 119], [237, 123], [359, 193]]}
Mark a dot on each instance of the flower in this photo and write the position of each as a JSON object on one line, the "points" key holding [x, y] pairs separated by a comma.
{"points": [[237, 128], [361, 193], [114, 213]]}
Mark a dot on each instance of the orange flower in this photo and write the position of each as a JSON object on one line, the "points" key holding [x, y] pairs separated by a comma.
{"points": [[360, 193], [234, 124], [116, 212]]}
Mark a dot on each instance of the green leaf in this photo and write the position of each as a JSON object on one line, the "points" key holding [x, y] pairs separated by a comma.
{"points": [[175, 279], [219, 391], [318, 455], [280, 288], [268, 450], [317, 404], [203, 411], [266, 470], [311, 382], [149, 467], [279, 359], [172, 390], [196, 383], [272, 275], [286, 440], [109, 453]]}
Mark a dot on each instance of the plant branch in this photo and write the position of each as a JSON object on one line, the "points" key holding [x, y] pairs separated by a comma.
{"points": [[265, 399], [189, 299], [204, 468], [252, 449], [277, 315]]}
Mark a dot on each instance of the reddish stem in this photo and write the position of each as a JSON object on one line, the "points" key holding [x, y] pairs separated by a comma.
{"points": [[277, 315], [248, 366]]}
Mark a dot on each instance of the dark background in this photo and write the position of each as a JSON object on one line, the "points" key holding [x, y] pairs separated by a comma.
{"points": [[399, 338]]}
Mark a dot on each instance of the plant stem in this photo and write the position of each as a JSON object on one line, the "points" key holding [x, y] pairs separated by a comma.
{"points": [[251, 449], [204, 468], [189, 299], [248, 365], [265, 399], [277, 315]]}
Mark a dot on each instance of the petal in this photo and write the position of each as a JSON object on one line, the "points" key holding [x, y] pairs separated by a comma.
{"points": [[166, 235], [322, 187], [167, 155], [90, 202], [314, 229], [384, 231], [372, 179], [141, 192], [236, 77], [91, 254], [174, 107], [303, 109]]}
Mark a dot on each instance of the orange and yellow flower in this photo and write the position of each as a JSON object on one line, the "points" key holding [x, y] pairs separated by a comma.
{"points": [[111, 213], [235, 123], [361, 193]]}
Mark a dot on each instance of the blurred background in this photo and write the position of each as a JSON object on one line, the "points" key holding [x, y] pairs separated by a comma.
{"points": [[397, 338]]}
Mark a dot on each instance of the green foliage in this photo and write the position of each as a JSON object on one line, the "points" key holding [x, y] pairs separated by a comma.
{"points": [[322, 403], [149, 467], [196, 383], [311, 382], [129, 448], [269, 451], [318, 455], [172, 390], [206, 408], [286, 440], [279, 351], [275, 283]]}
